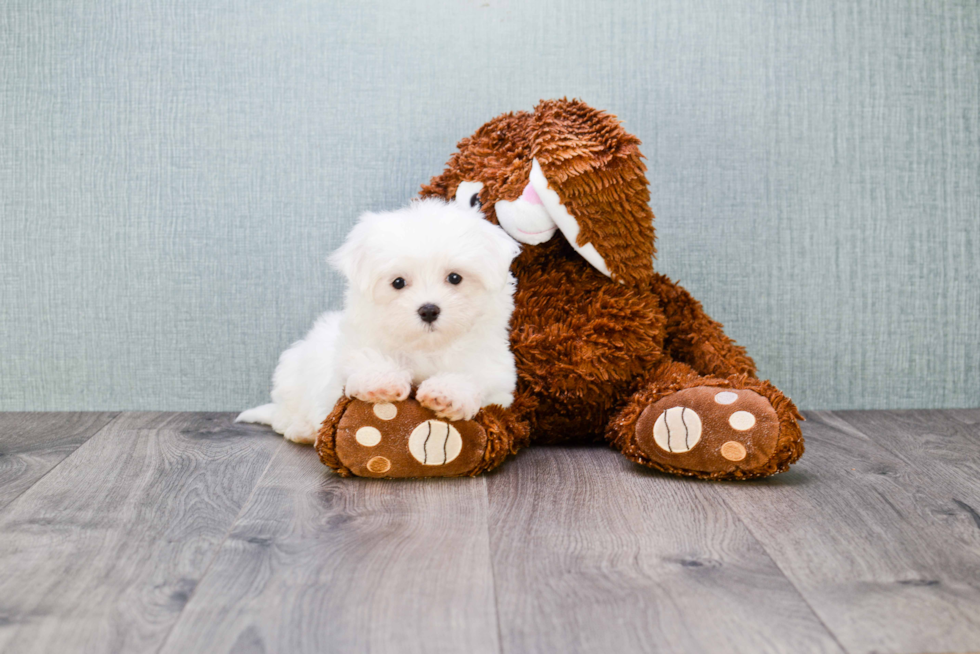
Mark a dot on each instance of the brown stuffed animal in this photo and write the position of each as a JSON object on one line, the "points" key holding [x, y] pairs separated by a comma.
{"points": [[605, 347]]}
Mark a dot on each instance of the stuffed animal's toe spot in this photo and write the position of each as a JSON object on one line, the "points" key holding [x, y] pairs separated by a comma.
{"points": [[678, 429], [368, 436], [385, 410], [435, 443], [726, 397], [379, 465], [741, 420], [733, 451]]}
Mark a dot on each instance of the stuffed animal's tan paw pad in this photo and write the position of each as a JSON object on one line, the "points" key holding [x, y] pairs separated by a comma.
{"points": [[435, 443], [677, 429]]}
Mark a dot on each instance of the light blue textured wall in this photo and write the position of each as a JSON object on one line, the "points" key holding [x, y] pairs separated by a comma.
{"points": [[173, 173]]}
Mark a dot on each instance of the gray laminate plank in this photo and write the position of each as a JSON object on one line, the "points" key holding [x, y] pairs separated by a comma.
{"points": [[866, 528], [966, 416], [594, 554], [940, 448], [103, 552], [31, 444], [317, 563]]}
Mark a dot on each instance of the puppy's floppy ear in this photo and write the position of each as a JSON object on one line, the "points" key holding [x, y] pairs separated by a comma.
{"points": [[501, 248], [500, 241], [589, 174], [350, 258]]}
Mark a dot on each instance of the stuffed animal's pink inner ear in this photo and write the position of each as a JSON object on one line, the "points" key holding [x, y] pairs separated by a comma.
{"points": [[530, 195]]}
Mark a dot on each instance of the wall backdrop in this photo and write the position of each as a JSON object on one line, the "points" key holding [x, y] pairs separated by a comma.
{"points": [[174, 173]]}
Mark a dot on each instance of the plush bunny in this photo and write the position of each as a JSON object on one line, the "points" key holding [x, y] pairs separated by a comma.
{"points": [[606, 348]]}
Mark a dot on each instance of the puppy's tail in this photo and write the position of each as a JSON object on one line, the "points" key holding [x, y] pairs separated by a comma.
{"points": [[260, 414]]}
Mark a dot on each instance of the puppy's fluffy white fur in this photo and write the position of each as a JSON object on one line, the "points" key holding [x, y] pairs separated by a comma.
{"points": [[379, 346]]}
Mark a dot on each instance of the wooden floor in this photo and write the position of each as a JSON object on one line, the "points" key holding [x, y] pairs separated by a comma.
{"points": [[183, 533]]}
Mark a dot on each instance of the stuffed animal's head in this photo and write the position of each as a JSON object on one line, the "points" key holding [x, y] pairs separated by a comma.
{"points": [[564, 172]]}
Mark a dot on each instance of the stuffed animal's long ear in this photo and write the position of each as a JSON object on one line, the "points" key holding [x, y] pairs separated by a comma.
{"points": [[589, 174]]}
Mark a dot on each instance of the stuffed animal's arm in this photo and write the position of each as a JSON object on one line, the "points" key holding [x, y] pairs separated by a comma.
{"points": [[696, 339]]}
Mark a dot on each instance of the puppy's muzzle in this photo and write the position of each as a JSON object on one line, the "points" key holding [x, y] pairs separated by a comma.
{"points": [[429, 312]]}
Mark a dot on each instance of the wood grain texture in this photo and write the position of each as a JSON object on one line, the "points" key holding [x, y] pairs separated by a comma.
{"points": [[877, 528], [594, 554], [942, 447], [317, 563], [31, 444], [103, 552]]}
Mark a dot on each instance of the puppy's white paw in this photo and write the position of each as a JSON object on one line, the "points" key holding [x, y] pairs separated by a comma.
{"points": [[303, 436], [295, 428], [450, 397], [379, 386]]}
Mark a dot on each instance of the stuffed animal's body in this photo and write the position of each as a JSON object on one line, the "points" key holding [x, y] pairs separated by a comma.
{"points": [[605, 347]]}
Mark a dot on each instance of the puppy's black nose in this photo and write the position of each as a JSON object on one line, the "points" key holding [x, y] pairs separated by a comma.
{"points": [[429, 312]]}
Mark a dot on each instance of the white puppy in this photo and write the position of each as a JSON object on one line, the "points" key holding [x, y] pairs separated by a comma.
{"points": [[428, 303]]}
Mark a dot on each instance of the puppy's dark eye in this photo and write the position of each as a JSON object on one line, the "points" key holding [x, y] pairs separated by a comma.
{"points": [[454, 278], [398, 284], [475, 201]]}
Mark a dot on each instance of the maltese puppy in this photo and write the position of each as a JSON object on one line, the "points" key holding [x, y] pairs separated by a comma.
{"points": [[428, 304]]}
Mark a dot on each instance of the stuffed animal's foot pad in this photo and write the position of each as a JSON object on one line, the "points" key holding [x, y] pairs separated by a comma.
{"points": [[404, 439], [709, 429]]}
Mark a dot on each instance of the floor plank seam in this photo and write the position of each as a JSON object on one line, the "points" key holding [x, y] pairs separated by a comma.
{"points": [[19, 495], [787, 577], [796, 588], [220, 545], [493, 569]]}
